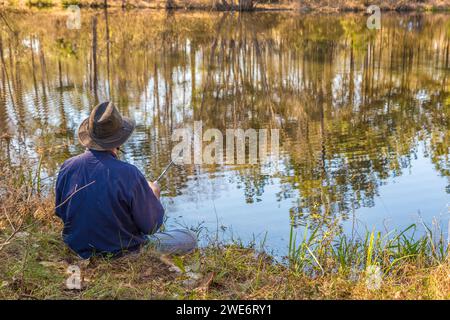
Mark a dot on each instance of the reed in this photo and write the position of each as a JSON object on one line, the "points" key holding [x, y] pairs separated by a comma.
{"points": [[344, 255]]}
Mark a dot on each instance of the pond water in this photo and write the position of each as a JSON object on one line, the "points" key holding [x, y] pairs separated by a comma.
{"points": [[363, 114]]}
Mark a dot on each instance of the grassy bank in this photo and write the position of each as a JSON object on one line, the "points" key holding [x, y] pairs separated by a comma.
{"points": [[321, 264], [244, 5]]}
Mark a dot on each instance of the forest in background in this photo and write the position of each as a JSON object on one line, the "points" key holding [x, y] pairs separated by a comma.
{"points": [[242, 5]]}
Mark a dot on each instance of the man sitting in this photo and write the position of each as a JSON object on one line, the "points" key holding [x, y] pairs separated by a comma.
{"points": [[107, 205]]}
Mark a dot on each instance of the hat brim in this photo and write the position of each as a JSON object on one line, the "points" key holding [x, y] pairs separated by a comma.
{"points": [[109, 143]]}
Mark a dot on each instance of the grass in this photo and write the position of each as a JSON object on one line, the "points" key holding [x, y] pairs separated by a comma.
{"points": [[321, 264]]}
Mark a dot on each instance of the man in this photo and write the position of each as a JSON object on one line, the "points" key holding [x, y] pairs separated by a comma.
{"points": [[107, 205]]}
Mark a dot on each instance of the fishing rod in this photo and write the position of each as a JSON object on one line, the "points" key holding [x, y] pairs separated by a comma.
{"points": [[165, 170], [162, 173]]}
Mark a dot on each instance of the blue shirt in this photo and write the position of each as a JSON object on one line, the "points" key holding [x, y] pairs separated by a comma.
{"points": [[106, 204]]}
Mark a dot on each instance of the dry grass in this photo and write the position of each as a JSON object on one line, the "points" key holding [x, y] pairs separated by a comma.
{"points": [[35, 261], [34, 267]]}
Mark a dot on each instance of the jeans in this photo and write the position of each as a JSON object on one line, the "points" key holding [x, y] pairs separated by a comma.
{"points": [[177, 241]]}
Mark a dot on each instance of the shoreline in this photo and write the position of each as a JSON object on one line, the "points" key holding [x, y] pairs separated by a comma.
{"points": [[318, 266], [209, 5], [35, 264]]}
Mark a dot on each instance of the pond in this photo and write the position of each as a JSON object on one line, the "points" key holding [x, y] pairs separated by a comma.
{"points": [[363, 115]]}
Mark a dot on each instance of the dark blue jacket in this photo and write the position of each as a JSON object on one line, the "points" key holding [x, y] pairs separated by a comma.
{"points": [[106, 205]]}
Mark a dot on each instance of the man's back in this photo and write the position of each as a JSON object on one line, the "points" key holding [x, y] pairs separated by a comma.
{"points": [[106, 205]]}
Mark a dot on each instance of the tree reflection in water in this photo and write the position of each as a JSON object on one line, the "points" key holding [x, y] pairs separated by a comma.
{"points": [[352, 104]]}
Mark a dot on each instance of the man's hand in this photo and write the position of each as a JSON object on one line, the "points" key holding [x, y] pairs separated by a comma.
{"points": [[155, 187]]}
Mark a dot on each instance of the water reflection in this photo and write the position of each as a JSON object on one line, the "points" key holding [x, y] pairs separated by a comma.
{"points": [[355, 107]]}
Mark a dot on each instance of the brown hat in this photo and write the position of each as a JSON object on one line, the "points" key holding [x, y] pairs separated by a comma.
{"points": [[105, 128]]}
